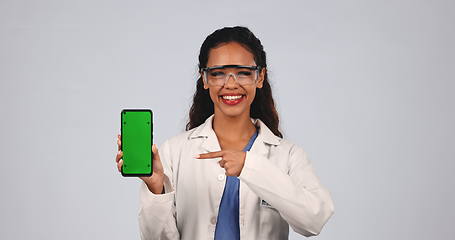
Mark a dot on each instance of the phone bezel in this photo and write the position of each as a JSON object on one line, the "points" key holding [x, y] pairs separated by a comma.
{"points": [[151, 136]]}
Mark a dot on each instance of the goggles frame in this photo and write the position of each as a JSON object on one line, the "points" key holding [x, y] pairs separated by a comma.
{"points": [[206, 69]]}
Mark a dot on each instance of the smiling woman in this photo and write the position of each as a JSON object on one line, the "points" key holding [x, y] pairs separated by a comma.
{"points": [[231, 175]]}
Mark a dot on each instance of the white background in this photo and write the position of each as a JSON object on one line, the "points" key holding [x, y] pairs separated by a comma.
{"points": [[365, 87]]}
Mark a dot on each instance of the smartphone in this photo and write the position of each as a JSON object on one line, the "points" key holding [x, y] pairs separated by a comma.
{"points": [[137, 139]]}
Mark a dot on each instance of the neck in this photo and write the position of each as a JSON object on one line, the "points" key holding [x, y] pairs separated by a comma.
{"points": [[233, 128]]}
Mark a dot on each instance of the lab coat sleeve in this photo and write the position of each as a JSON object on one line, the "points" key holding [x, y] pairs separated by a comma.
{"points": [[157, 211], [297, 194]]}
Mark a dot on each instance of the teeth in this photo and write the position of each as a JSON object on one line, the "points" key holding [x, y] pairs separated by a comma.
{"points": [[232, 97]]}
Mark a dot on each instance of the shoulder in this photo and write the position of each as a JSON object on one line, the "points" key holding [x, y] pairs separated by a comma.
{"points": [[296, 155], [291, 147]]}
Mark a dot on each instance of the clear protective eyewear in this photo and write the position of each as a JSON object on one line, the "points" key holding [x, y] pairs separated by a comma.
{"points": [[218, 75]]}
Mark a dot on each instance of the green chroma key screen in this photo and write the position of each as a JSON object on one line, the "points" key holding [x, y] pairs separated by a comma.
{"points": [[137, 140]]}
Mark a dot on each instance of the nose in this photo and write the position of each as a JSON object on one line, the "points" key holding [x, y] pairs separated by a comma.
{"points": [[229, 83]]}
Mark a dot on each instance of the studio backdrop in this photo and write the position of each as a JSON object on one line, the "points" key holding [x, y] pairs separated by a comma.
{"points": [[365, 87]]}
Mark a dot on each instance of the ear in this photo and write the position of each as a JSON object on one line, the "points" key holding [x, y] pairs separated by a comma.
{"points": [[261, 77]]}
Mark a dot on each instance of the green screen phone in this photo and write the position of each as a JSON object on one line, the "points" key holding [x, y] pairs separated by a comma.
{"points": [[137, 139]]}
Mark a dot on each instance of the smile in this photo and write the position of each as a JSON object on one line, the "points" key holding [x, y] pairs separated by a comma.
{"points": [[232, 99]]}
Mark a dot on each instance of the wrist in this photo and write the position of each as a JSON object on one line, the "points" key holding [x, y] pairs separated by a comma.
{"points": [[156, 183]]}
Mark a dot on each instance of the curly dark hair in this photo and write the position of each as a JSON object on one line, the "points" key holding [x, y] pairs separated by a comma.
{"points": [[263, 106]]}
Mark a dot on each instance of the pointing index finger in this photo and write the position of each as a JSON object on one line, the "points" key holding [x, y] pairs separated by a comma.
{"points": [[210, 155]]}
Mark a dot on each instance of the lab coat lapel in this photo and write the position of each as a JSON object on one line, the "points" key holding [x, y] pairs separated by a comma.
{"points": [[259, 144], [210, 143], [264, 140]]}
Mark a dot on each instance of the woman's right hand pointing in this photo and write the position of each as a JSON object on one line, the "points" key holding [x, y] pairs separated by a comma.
{"points": [[155, 183]]}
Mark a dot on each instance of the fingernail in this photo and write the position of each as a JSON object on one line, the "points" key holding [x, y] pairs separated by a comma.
{"points": [[196, 156]]}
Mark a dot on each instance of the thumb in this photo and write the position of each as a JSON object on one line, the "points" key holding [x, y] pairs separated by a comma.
{"points": [[156, 155], [157, 166]]}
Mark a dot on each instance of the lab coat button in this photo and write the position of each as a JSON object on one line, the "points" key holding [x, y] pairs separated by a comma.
{"points": [[221, 177], [213, 220]]}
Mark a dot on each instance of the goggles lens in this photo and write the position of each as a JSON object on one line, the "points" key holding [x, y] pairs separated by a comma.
{"points": [[217, 76]]}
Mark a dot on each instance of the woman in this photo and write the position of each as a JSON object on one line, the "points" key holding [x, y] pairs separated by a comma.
{"points": [[231, 175]]}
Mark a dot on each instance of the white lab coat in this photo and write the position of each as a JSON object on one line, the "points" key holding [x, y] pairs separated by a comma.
{"points": [[278, 188]]}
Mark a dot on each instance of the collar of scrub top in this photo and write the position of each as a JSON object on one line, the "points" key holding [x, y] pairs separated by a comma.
{"points": [[211, 143]]}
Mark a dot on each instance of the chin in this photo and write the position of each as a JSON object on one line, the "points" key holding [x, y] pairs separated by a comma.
{"points": [[232, 112]]}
